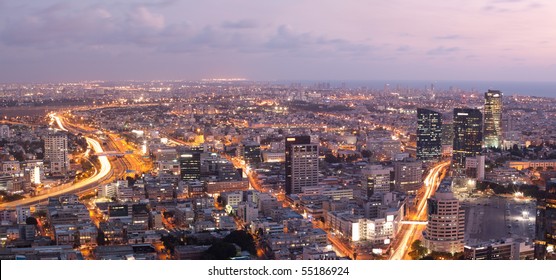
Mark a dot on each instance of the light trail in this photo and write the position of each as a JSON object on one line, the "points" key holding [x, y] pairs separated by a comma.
{"points": [[431, 183], [105, 170]]}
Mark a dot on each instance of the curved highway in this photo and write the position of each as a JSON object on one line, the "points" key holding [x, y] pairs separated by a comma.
{"points": [[104, 172]]}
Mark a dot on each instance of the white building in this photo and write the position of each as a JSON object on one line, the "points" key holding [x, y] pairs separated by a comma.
{"points": [[356, 228], [35, 169], [475, 167], [56, 152], [232, 199], [247, 211], [446, 222]]}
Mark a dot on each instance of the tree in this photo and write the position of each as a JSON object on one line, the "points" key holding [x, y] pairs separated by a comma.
{"points": [[31, 221], [243, 240], [101, 238], [417, 250], [130, 181], [220, 251], [76, 239], [330, 158], [366, 153]]}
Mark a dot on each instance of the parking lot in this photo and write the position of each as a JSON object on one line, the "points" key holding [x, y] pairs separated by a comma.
{"points": [[498, 218]]}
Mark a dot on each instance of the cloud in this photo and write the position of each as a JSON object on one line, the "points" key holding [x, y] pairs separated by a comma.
{"points": [[241, 24], [404, 48], [506, 6], [443, 51], [142, 16], [448, 37], [286, 39]]}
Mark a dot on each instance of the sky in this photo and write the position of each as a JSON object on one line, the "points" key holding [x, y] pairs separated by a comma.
{"points": [[54, 41]]}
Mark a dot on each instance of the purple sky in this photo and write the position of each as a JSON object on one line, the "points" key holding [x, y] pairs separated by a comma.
{"points": [[47, 40]]}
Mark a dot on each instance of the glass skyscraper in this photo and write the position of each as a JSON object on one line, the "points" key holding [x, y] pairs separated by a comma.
{"points": [[493, 118], [468, 135]]}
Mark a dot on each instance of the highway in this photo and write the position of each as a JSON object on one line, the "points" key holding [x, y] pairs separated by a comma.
{"points": [[412, 232], [104, 172]]}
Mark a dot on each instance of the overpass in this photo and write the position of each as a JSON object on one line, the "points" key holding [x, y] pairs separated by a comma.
{"points": [[406, 222], [113, 153]]}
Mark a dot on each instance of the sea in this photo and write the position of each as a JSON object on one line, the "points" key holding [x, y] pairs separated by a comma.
{"points": [[539, 89]]}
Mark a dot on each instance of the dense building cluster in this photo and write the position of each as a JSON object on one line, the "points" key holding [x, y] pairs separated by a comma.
{"points": [[272, 171]]}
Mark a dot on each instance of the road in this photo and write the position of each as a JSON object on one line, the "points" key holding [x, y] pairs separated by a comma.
{"points": [[412, 232], [104, 172]]}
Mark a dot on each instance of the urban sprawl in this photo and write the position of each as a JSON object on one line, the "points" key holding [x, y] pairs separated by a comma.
{"points": [[232, 169]]}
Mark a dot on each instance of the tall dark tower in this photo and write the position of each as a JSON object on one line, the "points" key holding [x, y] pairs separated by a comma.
{"points": [[493, 118], [429, 134], [468, 135], [190, 163], [302, 163]]}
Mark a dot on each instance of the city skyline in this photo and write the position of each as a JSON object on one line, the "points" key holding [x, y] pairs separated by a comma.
{"points": [[278, 130], [61, 40]]}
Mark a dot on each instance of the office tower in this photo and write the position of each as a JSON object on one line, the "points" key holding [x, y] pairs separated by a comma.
{"points": [[190, 164], [447, 133], [446, 221], [467, 135], [408, 175], [545, 233], [429, 134], [302, 164], [56, 153], [493, 118], [375, 179]]}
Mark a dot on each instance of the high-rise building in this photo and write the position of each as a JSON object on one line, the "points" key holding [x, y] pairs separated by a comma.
{"points": [[468, 135], [302, 163], [408, 175], [190, 164], [429, 134], [56, 153], [446, 221], [493, 118], [545, 234], [447, 133]]}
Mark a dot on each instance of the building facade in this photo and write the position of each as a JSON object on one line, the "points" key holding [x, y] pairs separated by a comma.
{"points": [[446, 222], [56, 153], [429, 134], [468, 135], [408, 175], [493, 119], [302, 164]]}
